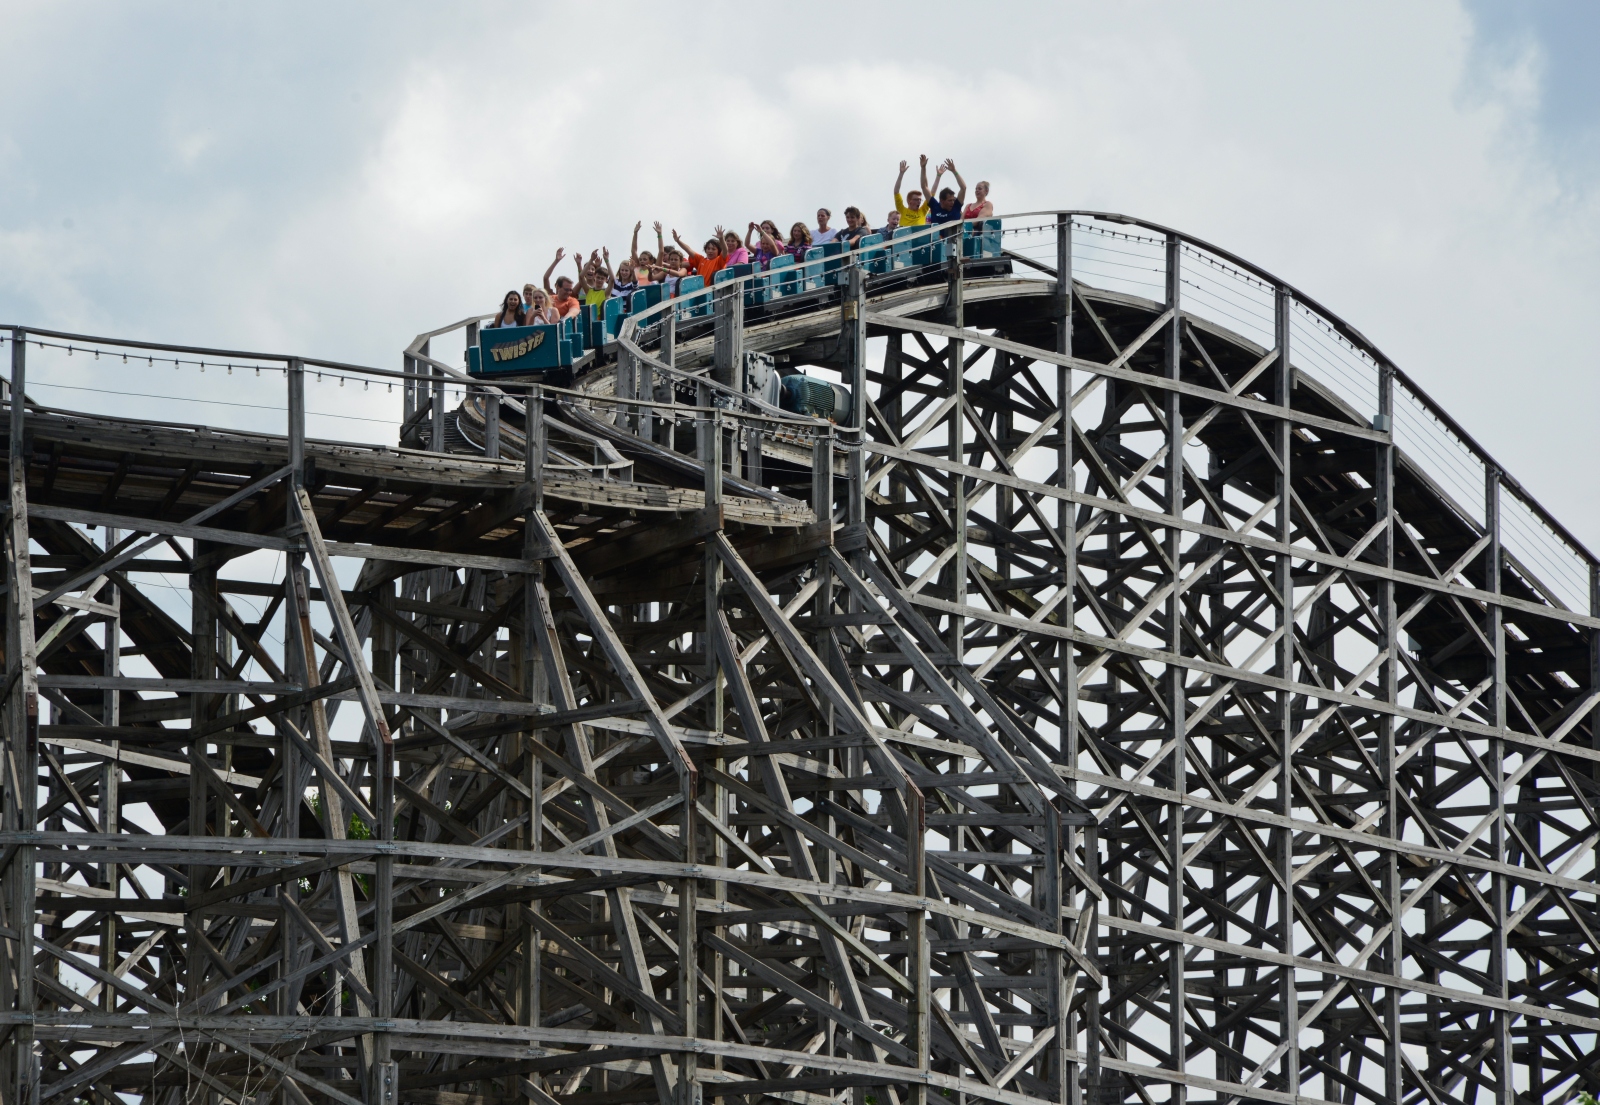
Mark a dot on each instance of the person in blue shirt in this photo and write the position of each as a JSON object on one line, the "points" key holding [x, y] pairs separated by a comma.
{"points": [[947, 208]]}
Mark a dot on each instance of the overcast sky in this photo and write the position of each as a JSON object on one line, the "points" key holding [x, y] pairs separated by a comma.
{"points": [[333, 179]]}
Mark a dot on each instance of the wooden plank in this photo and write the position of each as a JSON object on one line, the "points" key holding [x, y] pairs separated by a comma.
{"points": [[176, 686], [431, 558], [169, 529], [333, 598], [174, 764]]}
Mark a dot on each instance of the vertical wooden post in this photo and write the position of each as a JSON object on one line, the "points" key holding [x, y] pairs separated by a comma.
{"points": [[1067, 660], [1091, 1005], [1283, 721], [436, 418], [288, 753], [1499, 954], [646, 427], [408, 390], [921, 1034], [537, 443], [892, 410], [728, 335], [669, 336], [491, 424], [854, 325], [1176, 702], [203, 598], [1389, 682], [689, 951], [534, 679], [955, 358], [627, 388], [1054, 1064], [21, 713], [111, 772], [386, 1074], [688, 982]]}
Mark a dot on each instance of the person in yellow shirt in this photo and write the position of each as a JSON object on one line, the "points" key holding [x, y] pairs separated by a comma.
{"points": [[914, 208]]}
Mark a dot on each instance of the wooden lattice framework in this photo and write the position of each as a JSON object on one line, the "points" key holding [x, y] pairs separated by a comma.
{"points": [[974, 748]]}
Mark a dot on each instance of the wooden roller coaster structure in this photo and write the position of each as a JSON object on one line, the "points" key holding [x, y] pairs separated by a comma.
{"points": [[1124, 702]]}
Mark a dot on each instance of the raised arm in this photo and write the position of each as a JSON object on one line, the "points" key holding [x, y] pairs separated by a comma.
{"points": [[927, 195], [661, 246], [683, 245], [901, 179], [611, 273], [560, 253], [748, 234], [633, 250], [961, 193]]}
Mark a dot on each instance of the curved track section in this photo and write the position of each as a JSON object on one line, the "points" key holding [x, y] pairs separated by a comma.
{"points": [[1146, 694]]}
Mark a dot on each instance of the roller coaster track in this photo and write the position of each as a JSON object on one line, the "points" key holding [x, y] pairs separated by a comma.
{"points": [[1146, 693]]}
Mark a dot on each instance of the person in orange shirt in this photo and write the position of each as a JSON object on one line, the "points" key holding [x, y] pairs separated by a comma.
{"points": [[562, 300], [706, 265]]}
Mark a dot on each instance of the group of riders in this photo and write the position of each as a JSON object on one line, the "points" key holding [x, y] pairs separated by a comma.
{"points": [[762, 242]]}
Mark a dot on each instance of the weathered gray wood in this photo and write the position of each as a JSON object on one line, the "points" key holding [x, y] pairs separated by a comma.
{"points": [[425, 556], [176, 686], [333, 597], [111, 563], [855, 861], [170, 529]]}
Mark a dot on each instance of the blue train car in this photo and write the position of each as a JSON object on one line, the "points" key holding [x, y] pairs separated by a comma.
{"points": [[518, 349]]}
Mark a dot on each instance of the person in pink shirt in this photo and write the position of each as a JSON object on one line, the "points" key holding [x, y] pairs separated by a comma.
{"points": [[735, 249]]}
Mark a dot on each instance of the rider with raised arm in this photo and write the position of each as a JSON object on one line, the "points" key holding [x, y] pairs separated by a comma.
{"points": [[913, 209], [596, 281], [562, 300], [705, 265], [643, 262], [947, 209], [769, 246]]}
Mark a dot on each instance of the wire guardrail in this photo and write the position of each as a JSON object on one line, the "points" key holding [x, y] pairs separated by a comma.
{"points": [[1126, 256]]}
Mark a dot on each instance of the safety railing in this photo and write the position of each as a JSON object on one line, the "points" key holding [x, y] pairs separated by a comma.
{"points": [[1115, 254], [1118, 254], [165, 385]]}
